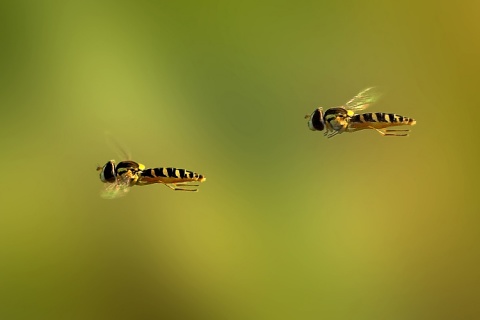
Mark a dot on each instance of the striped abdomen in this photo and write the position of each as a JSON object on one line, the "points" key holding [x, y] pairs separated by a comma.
{"points": [[379, 120], [169, 175]]}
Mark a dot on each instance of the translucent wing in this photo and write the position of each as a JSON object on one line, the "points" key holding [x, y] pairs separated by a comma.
{"points": [[116, 147], [363, 99], [117, 189]]}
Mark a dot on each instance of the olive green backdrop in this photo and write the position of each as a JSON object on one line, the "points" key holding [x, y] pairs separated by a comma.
{"points": [[288, 225]]}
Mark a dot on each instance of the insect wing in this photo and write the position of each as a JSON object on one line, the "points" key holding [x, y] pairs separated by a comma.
{"points": [[363, 99], [117, 147], [116, 189]]}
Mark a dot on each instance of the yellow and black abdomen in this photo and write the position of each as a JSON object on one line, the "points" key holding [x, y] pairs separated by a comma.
{"points": [[169, 175], [379, 120]]}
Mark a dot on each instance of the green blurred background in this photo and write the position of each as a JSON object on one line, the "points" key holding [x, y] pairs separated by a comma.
{"points": [[288, 225]]}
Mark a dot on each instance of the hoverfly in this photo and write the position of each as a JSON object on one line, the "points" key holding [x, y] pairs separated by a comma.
{"points": [[346, 119], [119, 178]]}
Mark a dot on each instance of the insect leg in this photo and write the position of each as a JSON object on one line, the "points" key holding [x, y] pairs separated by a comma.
{"points": [[333, 134], [186, 184], [174, 187], [394, 130], [341, 130], [387, 133]]}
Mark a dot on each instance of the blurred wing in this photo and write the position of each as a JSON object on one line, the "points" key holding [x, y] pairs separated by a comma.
{"points": [[116, 147], [117, 189], [363, 99]]}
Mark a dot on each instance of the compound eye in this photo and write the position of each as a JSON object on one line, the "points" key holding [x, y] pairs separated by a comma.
{"points": [[316, 121], [107, 173]]}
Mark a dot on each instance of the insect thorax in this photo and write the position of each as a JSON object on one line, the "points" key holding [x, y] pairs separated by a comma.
{"points": [[128, 165], [337, 118]]}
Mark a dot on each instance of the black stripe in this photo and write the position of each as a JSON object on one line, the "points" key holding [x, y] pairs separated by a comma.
{"points": [[400, 118], [356, 118], [381, 117], [159, 172], [393, 117], [148, 173], [368, 117], [171, 173], [181, 173]]}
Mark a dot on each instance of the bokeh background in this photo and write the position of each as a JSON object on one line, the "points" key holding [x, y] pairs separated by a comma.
{"points": [[288, 225]]}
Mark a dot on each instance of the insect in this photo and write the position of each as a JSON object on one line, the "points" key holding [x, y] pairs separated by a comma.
{"points": [[119, 178], [346, 119]]}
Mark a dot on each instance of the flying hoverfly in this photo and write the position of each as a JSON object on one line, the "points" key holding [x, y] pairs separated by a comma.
{"points": [[346, 119], [119, 178]]}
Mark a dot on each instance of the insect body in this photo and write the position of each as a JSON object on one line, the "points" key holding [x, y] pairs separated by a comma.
{"points": [[345, 119], [379, 121], [171, 177], [119, 178]]}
